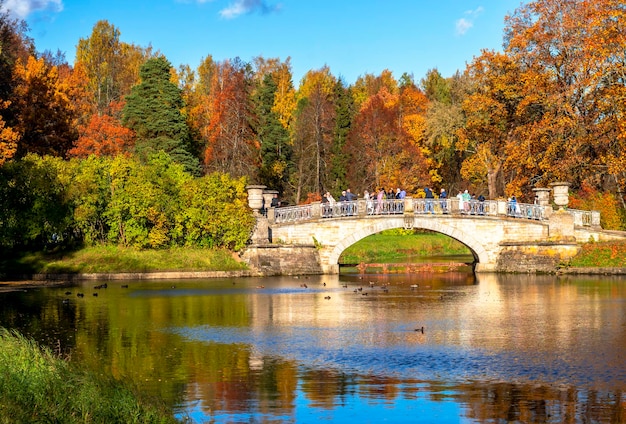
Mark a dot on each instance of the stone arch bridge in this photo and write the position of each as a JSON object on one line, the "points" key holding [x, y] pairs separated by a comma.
{"points": [[502, 236]]}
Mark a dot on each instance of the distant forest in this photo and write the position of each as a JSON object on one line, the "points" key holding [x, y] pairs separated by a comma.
{"points": [[551, 106]]}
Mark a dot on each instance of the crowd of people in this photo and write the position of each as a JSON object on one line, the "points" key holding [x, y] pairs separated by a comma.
{"points": [[377, 202]]}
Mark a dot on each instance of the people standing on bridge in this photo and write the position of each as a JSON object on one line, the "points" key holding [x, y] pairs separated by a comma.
{"points": [[275, 202], [325, 205], [379, 198], [481, 204], [466, 200], [461, 201], [443, 202], [429, 200], [351, 197], [369, 204], [514, 207]]}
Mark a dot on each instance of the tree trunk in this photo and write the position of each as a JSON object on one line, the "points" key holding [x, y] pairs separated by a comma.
{"points": [[492, 181]]}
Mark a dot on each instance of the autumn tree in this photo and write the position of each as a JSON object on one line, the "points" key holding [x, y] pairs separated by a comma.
{"points": [[569, 53], [14, 45], [417, 166], [491, 120], [232, 145], [153, 112], [444, 118], [313, 133], [111, 66], [274, 100], [46, 122], [103, 136], [381, 151]]}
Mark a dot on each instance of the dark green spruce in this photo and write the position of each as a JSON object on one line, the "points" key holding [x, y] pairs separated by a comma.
{"points": [[153, 111]]}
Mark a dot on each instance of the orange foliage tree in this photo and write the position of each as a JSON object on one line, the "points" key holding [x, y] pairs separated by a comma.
{"points": [[382, 152], [47, 116], [103, 135], [231, 143]]}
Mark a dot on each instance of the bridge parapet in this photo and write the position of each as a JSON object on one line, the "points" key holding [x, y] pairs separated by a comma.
{"points": [[409, 206]]}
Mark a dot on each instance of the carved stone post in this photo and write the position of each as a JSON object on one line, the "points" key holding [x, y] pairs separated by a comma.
{"points": [[268, 195], [560, 192], [543, 199], [561, 223], [255, 201]]}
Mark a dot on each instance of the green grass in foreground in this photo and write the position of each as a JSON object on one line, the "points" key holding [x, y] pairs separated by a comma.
{"points": [[394, 245], [120, 259], [604, 254], [38, 387]]}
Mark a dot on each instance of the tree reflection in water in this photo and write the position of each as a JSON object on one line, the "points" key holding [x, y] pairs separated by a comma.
{"points": [[494, 348]]}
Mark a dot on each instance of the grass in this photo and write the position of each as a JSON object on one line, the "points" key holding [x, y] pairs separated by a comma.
{"points": [[38, 387], [394, 245], [602, 254], [103, 259]]}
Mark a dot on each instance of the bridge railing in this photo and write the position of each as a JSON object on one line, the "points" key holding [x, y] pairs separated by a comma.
{"points": [[454, 206], [339, 209], [293, 213], [420, 206], [585, 218]]}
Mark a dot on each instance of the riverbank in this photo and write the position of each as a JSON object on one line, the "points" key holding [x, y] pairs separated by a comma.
{"points": [[116, 263], [36, 385]]}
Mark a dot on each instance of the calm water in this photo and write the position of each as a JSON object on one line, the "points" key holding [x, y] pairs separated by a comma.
{"points": [[493, 349]]}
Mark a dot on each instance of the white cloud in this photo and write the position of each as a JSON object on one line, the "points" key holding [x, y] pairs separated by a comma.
{"points": [[23, 8], [242, 7], [466, 23]]}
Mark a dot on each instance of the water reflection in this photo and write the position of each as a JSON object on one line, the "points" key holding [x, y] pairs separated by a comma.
{"points": [[494, 348]]}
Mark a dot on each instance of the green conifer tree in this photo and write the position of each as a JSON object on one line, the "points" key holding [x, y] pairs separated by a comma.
{"points": [[344, 107], [153, 111], [276, 151]]}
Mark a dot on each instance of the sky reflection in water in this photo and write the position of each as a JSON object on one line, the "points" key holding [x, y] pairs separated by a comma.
{"points": [[494, 348]]}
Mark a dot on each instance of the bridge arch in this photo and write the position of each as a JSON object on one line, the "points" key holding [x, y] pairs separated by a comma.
{"points": [[479, 251]]}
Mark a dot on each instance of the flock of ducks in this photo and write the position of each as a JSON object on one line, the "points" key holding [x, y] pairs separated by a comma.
{"points": [[95, 294], [359, 290]]}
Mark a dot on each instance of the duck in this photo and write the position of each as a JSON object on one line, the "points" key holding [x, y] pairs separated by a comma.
{"points": [[327, 297], [420, 330], [80, 295]]}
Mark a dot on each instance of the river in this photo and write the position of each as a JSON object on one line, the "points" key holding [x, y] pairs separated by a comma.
{"points": [[429, 347]]}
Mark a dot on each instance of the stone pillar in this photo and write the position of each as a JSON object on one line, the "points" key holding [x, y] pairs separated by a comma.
{"points": [[502, 207], [561, 223], [542, 196], [255, 201], [255, 197], [408, 205], [560, 192], [268, 195], [362, 207]]}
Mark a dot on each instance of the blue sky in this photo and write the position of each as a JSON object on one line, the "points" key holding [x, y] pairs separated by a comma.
{"points": [[351, 37]]}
